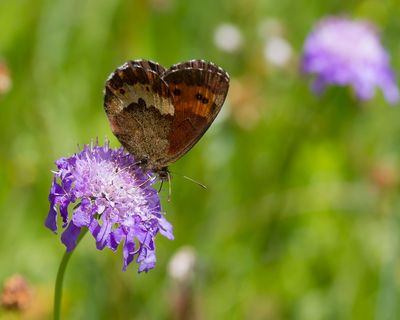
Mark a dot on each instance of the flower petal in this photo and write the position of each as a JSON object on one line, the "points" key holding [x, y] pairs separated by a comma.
{"points": [[83, 214], [51, 221], [115, 238], [102, 237], [146, 259], [128, 252], [166, 228], [70, 236]]}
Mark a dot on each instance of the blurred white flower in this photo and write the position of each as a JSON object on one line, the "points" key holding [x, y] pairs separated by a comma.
{"points": [[228, 37], [277, 51], [182, 263]]}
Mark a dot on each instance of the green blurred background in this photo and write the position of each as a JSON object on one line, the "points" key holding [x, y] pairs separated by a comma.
{"points": [[301, 216]]}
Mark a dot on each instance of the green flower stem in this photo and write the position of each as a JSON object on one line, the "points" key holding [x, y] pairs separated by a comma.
{"points": [[60, 278]]}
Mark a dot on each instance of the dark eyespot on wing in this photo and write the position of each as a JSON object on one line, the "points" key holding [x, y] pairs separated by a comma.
{"points": [[201, 98], [141, 103]]}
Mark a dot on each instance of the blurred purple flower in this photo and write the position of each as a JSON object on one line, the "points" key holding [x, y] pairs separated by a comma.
{"points": [[344, 52], [113, 198]]}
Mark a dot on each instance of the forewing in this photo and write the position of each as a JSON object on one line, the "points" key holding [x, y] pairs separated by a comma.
{"points": [[198, 90], [139, 107]]}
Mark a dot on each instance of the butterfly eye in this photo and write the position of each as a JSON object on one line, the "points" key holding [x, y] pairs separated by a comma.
{"points": [[121, 91], [177, 92]]}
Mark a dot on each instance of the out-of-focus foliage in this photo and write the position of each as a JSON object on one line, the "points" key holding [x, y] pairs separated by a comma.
{"points": [[301, 216]]}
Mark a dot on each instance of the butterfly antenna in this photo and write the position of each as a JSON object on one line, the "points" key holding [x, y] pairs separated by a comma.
{"points": [[192, 180], [196, 182]]}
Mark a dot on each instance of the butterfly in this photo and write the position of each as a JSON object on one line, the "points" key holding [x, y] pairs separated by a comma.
{"points": [[159, 114]]}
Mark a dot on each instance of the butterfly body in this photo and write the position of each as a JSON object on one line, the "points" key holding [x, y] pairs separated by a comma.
{"points": [[158, 114]]}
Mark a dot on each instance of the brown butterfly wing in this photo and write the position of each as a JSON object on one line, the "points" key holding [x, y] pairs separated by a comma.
{"points": [[140, 109], [198, 90]]}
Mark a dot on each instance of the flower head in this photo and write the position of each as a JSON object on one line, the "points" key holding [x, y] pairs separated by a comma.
{"points": [[113, 198], [344, 52]]}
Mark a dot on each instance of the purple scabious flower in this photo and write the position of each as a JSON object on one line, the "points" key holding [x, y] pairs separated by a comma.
{"points": [[113, 198], [345, 52]]}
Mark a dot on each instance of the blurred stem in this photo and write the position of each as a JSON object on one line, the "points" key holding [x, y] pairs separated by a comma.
{"points": [[60, 278], [321, 117], [299, 134], [387, 294]]}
